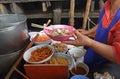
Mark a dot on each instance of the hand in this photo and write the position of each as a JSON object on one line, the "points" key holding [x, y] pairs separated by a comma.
{"points": [[80, 40], [85, 32]]}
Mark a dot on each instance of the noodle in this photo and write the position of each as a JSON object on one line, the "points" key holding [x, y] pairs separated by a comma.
{"points": [[59, 60]]}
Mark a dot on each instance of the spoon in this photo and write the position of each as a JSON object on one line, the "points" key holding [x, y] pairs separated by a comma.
{"points": [[73, 60]]}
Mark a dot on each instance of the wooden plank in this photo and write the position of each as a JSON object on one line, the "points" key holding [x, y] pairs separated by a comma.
{"points": [[35, 0], [86, 14], [57, 16], [63, 15], [23, 1], [3, 9], [72, 8], [44, 7], [5, 1], [16, 8], [101, 3], [39, 15]]}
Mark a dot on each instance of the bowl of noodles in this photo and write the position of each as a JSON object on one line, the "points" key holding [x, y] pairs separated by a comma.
{"points": [[59, 32], [62, 59], [38, 53]]}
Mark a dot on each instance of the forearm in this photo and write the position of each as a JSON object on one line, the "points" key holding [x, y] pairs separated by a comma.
{"points": [[102, 49]]}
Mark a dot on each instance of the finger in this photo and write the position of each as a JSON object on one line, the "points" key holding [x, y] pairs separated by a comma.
{"points": [[69, 42], [77, 33], [75, 37], [80, 30]]}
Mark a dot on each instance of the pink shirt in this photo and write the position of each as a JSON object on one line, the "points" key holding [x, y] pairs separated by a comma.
{"points": [[114, 34]]}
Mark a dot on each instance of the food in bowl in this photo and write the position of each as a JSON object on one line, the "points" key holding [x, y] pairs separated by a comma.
{"points": [[42, 38], [59, 47], [77, 52], [81, 69], [59, 32], [59, 60], [38, 54]]}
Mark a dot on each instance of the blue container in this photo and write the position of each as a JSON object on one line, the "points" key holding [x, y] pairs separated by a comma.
{"points": [[79, 77]]}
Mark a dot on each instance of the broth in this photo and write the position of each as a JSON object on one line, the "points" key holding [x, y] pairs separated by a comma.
{"points": [[79, 71]]}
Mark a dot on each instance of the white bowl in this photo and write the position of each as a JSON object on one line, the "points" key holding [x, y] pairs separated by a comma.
{"points": [[77, 52], [41, 33], [27, 53], [70, 46], [81, 71], [59, 47], [65, 56]]}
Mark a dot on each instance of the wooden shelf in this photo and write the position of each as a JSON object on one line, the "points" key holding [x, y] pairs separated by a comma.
{"points": [[33, 9], [65, 14], [24, 1]]}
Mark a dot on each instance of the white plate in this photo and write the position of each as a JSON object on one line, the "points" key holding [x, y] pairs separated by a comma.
{"points": [[27, 53]]}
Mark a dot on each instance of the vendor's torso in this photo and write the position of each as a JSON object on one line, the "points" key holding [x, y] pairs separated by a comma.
{"points": [[91, 57]]}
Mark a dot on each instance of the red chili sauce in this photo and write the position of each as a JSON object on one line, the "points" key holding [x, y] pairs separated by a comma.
{"points": [[78, 71]]}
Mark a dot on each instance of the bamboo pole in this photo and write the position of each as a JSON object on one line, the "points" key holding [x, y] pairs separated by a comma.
{"points": [[3, 9], [57, 15], [86, 14], [72, 8], [17, 9]]}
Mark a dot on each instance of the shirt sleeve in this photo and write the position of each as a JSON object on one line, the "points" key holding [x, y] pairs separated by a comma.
{"points": [[115, 41]]}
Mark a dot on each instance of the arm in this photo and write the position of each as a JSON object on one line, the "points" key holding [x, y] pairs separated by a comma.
{"points": [[92, 30], [102, 49], [87, 32]]}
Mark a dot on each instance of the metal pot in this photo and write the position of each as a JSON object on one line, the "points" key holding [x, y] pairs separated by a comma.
{"points": [[13, 33], [7, 61]]}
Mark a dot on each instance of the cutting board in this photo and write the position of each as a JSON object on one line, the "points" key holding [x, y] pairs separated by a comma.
{"points": [[46, 71]]}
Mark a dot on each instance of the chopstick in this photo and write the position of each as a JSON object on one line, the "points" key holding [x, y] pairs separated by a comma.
{"points": [[40, 26], [37, 25], [20, 58], [48, 23], [73, 60]]}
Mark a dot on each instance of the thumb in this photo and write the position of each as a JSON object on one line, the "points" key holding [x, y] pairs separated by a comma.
{"points": [[79, 30]]}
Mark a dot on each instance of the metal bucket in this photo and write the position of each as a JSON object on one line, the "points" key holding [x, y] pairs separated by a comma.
{"points": [[13, 33]]}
